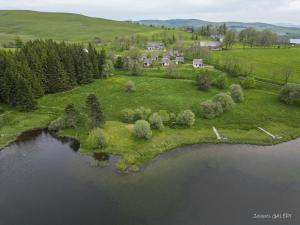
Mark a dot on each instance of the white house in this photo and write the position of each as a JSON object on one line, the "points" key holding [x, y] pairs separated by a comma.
{"points": [[147, 62], [179, 59], [165, 62], [155, 46], [198, 63]]}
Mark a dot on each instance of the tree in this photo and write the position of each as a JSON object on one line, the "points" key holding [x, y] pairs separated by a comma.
{"points": [[18, 42], [236, 93], [101, 61], [134, 67], [156, 121], [129, 87], [24, 97], [186, 118], [287, 72], [96, 139], [171, 71], [290, 94], [229, 39], [225, 100], [107, 69], [119, 62], [94, 111], [221, 81], [203, 81], [208, 109], [72, 116], [142, 129]]}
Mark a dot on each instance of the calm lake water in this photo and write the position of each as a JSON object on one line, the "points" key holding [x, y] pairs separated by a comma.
{"points": [[44, 181]]}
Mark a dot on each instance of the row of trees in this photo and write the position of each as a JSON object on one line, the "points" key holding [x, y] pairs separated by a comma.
{"points": [[42, 67], [210, 29], [251, 37]]}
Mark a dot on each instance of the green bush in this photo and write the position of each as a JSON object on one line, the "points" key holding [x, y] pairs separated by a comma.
{"points": [[186, 118], [208, 109], [221, 81], [128, 115], [225, 100], [172, 121], [203, 81], [165, 116], [129, 87], [57, 124], [142, 113], [249, 82], [236, 93], [142, 129], [290, 94], [1, 110], [96, 139], [156, 121], [72, 116]]}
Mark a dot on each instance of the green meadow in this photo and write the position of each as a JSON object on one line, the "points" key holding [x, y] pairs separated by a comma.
{"points": [[261, 108], [268, 62]]}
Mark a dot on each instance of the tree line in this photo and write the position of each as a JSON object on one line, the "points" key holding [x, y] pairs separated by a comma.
{"points": [[42, 67]]}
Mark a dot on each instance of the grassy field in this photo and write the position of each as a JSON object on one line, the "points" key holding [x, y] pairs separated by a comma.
{"points": [[261, 108], [62, 26], [268, 61]]}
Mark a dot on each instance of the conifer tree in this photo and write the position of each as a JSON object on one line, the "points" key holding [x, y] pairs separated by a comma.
{"points": [[72, 116], [94, 111], [24, 97]]}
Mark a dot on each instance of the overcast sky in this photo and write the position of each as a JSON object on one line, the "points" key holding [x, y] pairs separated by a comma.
{"points": [[272, 11]]}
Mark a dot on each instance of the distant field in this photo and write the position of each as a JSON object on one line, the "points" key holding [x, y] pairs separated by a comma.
{"points": [[62, 26], [268, 61]]}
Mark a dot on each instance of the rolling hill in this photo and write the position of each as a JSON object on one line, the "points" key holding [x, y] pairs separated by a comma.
{"points": [[281, 30], [62, 26]]}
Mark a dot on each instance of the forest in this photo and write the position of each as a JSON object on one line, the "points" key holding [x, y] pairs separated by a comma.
{"points": [[43, 67]]}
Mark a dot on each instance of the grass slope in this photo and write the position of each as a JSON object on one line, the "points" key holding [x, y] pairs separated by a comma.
{"points": [[62, 26], [261, 108], [268, 60]]}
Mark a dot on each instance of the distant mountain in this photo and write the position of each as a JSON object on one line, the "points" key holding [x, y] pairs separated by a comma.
{"points": [[287, 25], [281, 30]]}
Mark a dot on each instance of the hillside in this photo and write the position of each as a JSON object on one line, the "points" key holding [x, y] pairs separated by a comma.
{"points": [[61, 26], [289, 31]]}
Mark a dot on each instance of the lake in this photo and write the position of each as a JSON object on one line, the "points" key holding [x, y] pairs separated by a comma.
{"points": [[45, 181]]}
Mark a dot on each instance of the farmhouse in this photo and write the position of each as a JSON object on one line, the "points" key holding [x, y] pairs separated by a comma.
{"points": [[147, 62], [155, 46], [179, 59], [213, 45], [165, 62], [218, 37], [197, 63]]}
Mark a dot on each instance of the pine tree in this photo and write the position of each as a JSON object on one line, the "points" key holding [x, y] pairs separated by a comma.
{"points": [[101, 62], [24, 97], [72, 116], [93, 56], [57, 80], [94, 111]]}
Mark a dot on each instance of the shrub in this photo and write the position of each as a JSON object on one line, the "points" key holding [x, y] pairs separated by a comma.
{"points": [[142, 129], [203, 81], [119, 63], [96, 139], [129, 87], [134, 67], [221, 81], [249, 82], [186, 118], [128, 115], [209, 109], [164, 115], [1, 110], [172, 121], [107, 68], [156, 121], [236, 93], [225, 100], [290, 94], [142, 113], [57, 124]]}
